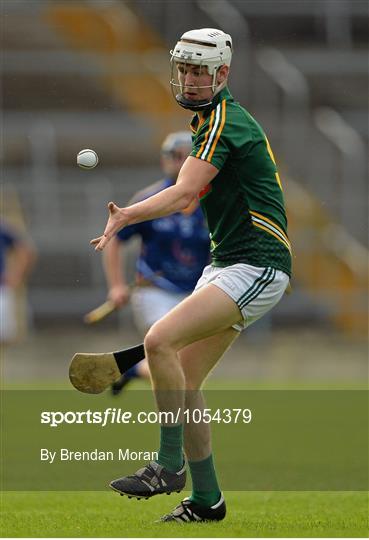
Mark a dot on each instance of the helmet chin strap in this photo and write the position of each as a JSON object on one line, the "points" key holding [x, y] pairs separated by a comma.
{"points": [[191, 104], [201, 104]]}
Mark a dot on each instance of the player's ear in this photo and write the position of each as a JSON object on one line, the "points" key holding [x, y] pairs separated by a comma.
{"points": [[222, 73]]}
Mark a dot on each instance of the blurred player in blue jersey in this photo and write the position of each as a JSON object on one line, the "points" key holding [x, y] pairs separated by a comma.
{"points": [[13, 271], [174, 251]]}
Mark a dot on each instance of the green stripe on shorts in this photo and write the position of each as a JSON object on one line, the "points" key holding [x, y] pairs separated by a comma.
{"points": [[261, 287], [254, 286]]}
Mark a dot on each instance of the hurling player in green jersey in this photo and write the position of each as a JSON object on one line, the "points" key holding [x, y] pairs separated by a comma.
{"points": [[232, 171]]}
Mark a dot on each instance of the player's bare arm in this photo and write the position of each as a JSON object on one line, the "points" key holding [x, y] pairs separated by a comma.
{"points": [[193, 177], [119, 291], [24, 257]]}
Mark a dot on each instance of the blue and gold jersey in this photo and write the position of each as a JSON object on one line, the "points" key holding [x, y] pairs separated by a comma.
{"points": [[174, 249]]}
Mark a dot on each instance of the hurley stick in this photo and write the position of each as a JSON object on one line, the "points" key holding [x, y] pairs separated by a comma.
{"points": [[92, 373]]}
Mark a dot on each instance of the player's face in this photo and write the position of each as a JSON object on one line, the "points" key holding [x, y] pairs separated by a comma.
{"points": [[173, 161], [195, 81]]}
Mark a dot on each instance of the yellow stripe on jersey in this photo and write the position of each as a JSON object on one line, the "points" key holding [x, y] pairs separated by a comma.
{"points": [[278, 180], [287, 245], [197, 121], [270, 226], [212, 136], [222, 122], [206, 134], [256, 214], [270, 152], [201, 120]]}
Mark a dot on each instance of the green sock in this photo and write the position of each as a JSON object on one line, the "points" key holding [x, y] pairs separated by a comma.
{"points": [[205, 488], [170, 452]]}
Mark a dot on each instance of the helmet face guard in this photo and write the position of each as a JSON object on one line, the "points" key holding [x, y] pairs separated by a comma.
{"points": [[178, 88]]}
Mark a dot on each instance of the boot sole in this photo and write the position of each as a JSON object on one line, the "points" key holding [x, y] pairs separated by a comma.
{"points": [[130, 496]]}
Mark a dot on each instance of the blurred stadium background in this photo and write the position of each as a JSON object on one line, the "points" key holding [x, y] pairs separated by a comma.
{"points": [[95, 74]]}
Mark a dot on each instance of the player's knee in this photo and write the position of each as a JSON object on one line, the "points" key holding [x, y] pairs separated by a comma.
{"points": [[155, 343]]}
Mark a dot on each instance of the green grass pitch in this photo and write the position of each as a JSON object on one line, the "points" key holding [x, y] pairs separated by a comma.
{"points": [[250, 514]]}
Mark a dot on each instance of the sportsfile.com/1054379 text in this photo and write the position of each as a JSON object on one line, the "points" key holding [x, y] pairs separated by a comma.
{"points": [[120, 416]]}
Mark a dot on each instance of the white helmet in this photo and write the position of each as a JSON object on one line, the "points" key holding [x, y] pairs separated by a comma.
{"points": [[204, 47]]}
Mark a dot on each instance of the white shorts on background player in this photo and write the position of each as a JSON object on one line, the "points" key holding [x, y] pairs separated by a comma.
{"points": [[8, 321], [149, 304], [255, 290]]}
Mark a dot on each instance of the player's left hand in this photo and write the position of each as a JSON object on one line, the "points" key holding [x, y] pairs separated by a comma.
{"points": [[116, 222]]}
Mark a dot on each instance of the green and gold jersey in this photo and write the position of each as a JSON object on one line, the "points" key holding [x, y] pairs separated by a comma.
{"points": [[243, 205]]}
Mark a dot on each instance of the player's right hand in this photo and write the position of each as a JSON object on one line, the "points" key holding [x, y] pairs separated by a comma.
{"points": [[116, 222], [119, 295]]}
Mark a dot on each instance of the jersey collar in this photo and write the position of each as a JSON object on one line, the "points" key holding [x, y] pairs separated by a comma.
{"points": [[200, 116], [225, 93]]}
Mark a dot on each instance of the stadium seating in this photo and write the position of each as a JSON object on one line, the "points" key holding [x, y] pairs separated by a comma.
{"points": [[95, 74]]}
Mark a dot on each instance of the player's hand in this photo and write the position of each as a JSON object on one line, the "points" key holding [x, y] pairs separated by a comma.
{"points": [[116, 222], [119, 295]]}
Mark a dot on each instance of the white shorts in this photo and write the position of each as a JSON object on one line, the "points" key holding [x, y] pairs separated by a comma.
{"points": [[8, 320], [255, 290], [149, 304]]}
